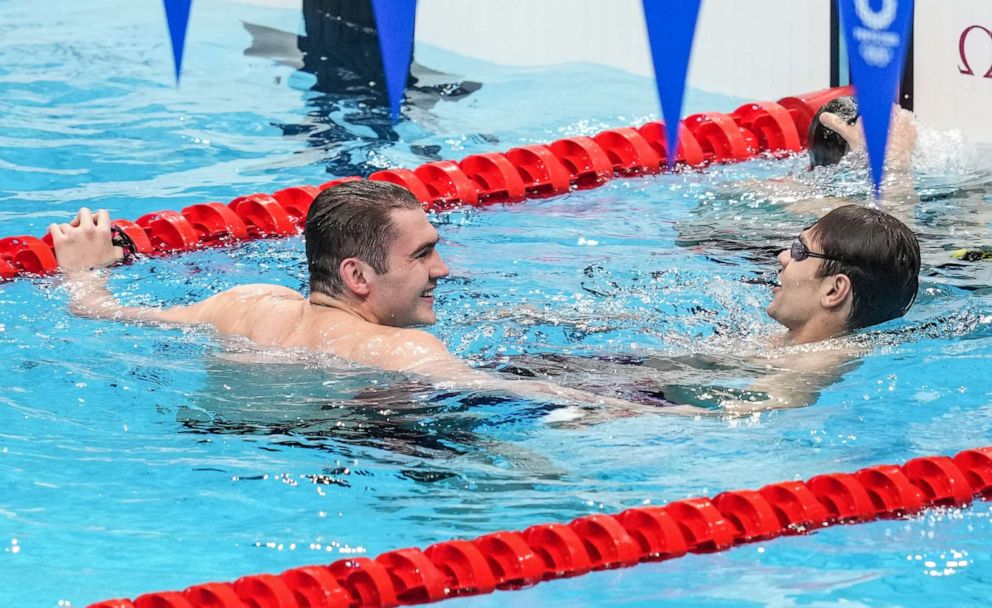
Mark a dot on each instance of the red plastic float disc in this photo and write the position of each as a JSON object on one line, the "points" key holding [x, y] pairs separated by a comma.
{"points": [[843, 496], [587, 163], [560, 548], [629, 151], [689, 151], [513, 562], [265, 591], [705, 529], [495, 177], [215, 223], [890, 490], [719, 137], [541, 171], [465, 567], [416, 579], [750, 513], [169, 231], [796, 507], [316, 587], [941, 481], [655, 531], [977, 467], [164, 599], [142, 243], [447, 184], [606, 541], [7, 271], [26, 254], [366, 580], [771, 124], [263, 215], [296, 201]]}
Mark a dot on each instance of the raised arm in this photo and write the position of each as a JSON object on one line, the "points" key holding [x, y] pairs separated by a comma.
{"points": [[902, 137]]}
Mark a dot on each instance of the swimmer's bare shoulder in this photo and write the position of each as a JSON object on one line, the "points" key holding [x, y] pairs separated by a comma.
{"points": [[403, 349], [230, 307]]}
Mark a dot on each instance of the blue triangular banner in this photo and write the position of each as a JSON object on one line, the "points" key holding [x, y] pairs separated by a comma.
{"points": [[394, 20], [876, 40], [671, 26], [177, 15]]}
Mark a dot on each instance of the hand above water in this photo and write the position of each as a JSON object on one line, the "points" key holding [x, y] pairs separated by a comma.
{"points": [[902, 136], [85, 242]]}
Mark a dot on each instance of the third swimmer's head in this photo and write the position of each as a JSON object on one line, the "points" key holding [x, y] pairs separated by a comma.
{"points": [[826, 146]]}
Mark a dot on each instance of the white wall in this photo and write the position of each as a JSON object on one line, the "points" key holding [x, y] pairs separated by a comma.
{"points": [[945, 98], [756, 49], [539, 32], [762, 49]]}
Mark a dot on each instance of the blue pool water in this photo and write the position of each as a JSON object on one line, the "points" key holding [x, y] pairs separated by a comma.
{"points": [[138, 458]]}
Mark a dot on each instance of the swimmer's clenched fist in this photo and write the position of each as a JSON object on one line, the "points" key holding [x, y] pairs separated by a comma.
{"points": [[85, 242]]}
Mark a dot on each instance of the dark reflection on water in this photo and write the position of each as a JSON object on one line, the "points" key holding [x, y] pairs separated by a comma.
{"points": [[348, 114], [346, 411]]}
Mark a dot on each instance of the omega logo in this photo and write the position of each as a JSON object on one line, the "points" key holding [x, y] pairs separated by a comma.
{"points": [[966, 70]]}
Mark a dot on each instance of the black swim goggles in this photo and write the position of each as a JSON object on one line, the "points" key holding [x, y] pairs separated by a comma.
{"points": [[800, 251], [119, 238]]}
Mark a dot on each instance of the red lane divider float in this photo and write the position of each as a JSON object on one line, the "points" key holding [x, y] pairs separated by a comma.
{"points": [[533, 171], [510, 560]]}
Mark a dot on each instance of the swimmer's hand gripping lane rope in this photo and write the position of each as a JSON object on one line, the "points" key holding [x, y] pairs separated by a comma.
{"points": [[510, 560], [764, 127]]}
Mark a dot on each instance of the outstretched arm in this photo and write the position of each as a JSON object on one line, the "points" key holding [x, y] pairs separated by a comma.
{"points": [[425, 355], [83, 247]]}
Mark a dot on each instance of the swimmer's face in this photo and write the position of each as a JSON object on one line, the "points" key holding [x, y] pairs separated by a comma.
{"points": [[404, 295], [799, 296]]}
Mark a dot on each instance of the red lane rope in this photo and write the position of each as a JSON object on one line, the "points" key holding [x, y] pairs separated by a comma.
{"points": [[513, 559], [531, 171]]}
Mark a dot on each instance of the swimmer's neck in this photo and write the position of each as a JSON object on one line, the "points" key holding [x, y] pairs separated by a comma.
{"points": [[809, 333], [320, 300]]}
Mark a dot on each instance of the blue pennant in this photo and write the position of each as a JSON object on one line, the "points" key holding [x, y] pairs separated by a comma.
{"points": [[876, 40], [177, 14], [394, 20], [671, 26]]}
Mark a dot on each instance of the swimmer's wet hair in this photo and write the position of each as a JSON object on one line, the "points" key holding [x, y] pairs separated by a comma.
{"points": [[878, 253], [826, 146], [352, 220]]}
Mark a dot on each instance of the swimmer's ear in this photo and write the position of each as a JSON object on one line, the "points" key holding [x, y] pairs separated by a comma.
{"points": [[836, 291], [355, 275]]}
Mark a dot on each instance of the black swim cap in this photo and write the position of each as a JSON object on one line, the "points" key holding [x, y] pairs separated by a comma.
{"points": [[826, 146]]}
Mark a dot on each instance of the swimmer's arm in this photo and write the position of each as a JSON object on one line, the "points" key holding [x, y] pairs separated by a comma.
{"points": [[425, 355], [902, 137], [89, 297], [796, 382], [84, 248]]}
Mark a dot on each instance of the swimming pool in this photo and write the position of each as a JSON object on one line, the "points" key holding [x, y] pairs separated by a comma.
{"points": [[139, 459]]}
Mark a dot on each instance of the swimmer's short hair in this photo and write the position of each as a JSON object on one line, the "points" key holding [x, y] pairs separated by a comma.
{"points": [[826, 146], [878, 253], [351, 220]]}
